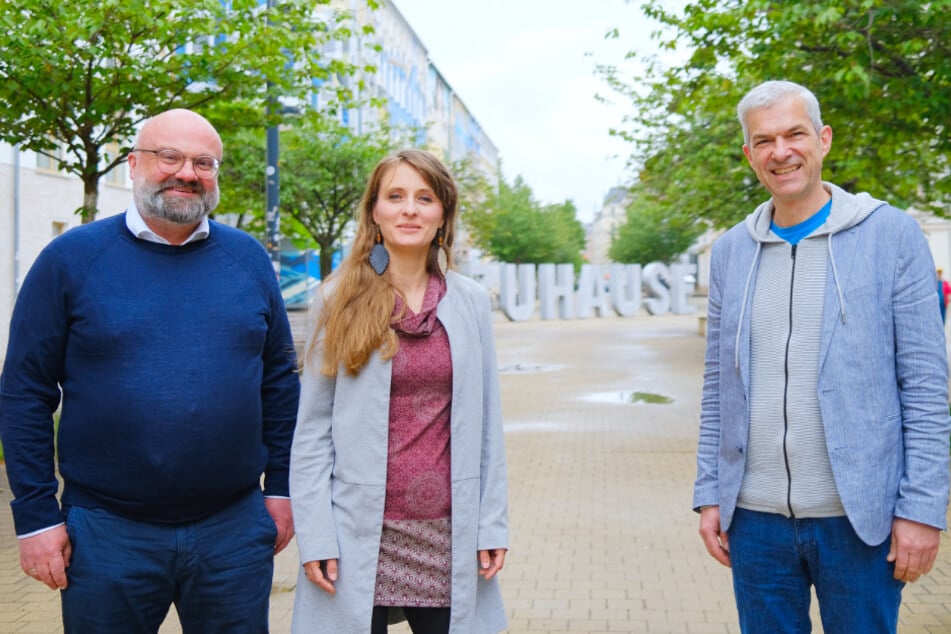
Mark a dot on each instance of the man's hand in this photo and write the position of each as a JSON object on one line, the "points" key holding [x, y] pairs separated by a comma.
{"points": [[280, 511], [45, 556], [914, 549], [716, 541]]}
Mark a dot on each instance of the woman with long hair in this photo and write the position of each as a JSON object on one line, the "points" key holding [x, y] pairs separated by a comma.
{"points": [[398, 481]]}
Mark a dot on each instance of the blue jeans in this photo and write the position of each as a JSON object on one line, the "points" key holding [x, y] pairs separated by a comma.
{"points": [[124, 575], [775, 560]]}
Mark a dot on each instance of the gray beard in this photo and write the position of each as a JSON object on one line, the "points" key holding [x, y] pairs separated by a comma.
{"points": [[151, 203]]}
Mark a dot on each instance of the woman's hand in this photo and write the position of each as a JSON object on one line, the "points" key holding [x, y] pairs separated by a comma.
{"points": [[491, 561], [322, 574]]}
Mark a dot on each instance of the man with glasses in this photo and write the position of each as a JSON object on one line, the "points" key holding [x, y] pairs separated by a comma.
{"points": [[164, 337]]}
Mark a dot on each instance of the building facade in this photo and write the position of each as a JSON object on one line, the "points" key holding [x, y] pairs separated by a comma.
{"points": [[605, 225], [415, 93], [37, 201]]}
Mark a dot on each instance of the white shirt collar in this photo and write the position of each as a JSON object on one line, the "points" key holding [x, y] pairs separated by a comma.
{"points": [[135, 223]]}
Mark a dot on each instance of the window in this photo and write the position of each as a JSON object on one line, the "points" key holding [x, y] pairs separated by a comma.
{"points": [[49, 163], [117, 175]]}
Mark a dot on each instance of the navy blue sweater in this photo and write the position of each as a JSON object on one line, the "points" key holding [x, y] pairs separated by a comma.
{"points": [[177, 371]]}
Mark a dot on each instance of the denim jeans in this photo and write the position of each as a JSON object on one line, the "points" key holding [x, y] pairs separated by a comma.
{"points": [[776, 559], [124, 575]]}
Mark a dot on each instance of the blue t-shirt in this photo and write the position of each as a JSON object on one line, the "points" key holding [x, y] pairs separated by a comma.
{"points": [[794, 234]]}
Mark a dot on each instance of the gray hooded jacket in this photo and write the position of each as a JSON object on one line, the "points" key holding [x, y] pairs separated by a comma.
{"points": [[882, 382], [788, 469]]}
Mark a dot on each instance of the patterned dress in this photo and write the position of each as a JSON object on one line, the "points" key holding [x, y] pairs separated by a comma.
{"points": [[415, 548]]}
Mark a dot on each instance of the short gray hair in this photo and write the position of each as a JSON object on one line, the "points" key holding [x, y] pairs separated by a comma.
{"points": [[768, 93]]}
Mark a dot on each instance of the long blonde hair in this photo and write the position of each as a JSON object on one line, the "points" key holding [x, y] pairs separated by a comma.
{"points": [[355, 318]]}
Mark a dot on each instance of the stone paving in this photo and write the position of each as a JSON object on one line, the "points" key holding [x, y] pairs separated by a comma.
{"points": [[603, 539]]}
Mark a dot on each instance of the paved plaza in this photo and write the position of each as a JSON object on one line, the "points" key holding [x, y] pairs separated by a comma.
{"points": [[603, 538]]}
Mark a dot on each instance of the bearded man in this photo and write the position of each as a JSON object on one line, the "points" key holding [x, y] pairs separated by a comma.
{"points": [[163, 337]]}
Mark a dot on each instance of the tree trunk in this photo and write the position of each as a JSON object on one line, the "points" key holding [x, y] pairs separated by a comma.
{"points": [[326, 260], [90, 198]]}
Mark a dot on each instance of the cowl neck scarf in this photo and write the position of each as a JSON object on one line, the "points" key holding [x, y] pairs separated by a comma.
{"points": [[420, 324]]}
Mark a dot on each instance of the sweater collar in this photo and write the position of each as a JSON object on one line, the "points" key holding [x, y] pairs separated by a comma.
{"points": [[420, 324], [135, 223]]}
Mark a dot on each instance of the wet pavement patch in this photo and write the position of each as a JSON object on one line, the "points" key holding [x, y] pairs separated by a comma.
{"points": [[629, 397], [525, 368], [649, 397]]}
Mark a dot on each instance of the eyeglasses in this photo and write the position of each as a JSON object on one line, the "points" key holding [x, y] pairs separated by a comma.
{"points": [[171, 162]]}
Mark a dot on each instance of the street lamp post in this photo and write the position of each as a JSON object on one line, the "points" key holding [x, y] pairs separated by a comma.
{"points": [[272, 198], [272, 183]]}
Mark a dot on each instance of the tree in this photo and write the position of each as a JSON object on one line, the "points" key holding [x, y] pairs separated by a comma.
{"points": [[324, 171], [242, 181], [652, 233], [881, 70], [81, 75], [473, 187], [474, 190], [515, 228]]}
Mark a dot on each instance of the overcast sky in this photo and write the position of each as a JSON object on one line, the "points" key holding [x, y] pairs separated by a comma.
{"points": [[521, 68]]}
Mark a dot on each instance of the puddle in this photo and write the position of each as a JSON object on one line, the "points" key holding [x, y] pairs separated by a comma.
{"points": [[650, 397], [525, 368], [629, 396]]}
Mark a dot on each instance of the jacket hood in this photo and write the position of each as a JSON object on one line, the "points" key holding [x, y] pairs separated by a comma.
{"points": [[847, 211]]}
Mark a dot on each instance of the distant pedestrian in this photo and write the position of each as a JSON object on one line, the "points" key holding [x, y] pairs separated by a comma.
{"points": [[944, 293], [168, 339], [398, 475], [823, 457]]}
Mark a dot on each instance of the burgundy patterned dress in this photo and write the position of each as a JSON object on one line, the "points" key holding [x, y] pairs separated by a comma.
{"points": [[415, 548]]}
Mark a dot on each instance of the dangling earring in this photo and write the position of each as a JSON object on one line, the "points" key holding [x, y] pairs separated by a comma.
{"points": [[442, 257], [379, 256]]}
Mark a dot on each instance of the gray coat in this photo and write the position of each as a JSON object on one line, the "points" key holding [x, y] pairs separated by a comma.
{"points": [[338, 476]]}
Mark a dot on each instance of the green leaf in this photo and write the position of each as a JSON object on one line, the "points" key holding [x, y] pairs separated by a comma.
{"points": [[83, 74], [881, 71]]}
